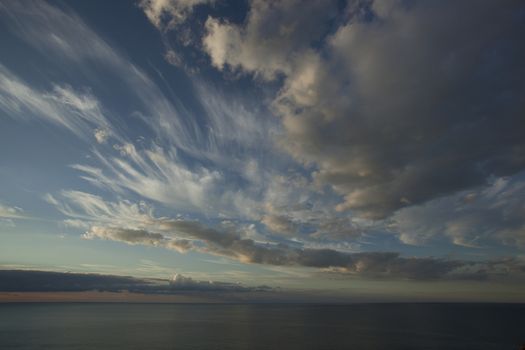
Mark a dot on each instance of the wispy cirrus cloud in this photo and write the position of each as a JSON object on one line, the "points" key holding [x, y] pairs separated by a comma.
{"points": [[77, 111], [226, 165], [387, 121], [352, 133], [136, 224], [64, 37], [10, 212], [483, 217]]}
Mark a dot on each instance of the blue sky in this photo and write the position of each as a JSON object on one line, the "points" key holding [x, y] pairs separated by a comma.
{"points": [[327, 146]]}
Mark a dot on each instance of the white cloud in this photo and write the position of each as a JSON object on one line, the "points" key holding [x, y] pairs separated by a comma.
{"points": [[382, 105], [167, 14], [8, 212], [352, 109], [101, 135], [180, 282], [136, 224], [153, 174], [78, 112], [274, 36], [280, 224], [63, 37]]}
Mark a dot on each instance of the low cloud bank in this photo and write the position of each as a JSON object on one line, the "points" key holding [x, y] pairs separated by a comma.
{"points": [[47, 281], [366, 264]]}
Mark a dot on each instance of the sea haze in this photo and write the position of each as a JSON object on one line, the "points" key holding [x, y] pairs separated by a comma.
{"points": [[261, 326]]}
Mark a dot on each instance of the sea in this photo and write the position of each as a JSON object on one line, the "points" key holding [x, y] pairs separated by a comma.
{"points": [[119, 326]]}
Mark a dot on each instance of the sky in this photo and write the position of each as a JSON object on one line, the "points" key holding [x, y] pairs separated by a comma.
{"points": [[331, 149]]}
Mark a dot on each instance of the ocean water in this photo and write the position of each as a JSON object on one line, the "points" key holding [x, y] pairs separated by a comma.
{"points": [[261, 326]]}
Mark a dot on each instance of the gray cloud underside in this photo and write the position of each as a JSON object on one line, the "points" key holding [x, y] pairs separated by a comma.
{"points": [[475, 218], [408, 103], [383, 131], [46, 281], [394, 110], [368, 264]]}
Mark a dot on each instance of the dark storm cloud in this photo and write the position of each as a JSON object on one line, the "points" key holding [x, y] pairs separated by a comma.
{"points": [[46, 281]]}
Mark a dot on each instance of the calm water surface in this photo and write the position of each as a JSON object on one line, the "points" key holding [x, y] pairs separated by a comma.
{"points": [[286, 327]]}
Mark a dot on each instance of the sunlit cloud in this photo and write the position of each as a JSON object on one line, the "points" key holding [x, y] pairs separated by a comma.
{"points": [[360, 139], [8, 212]]}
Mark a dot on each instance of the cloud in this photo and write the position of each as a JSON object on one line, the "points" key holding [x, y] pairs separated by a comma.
{"points": [[129, 236], [389, 265], [383, 105], [8, 212], [137, 236], [84, 207], [78, 112], [483, 217], [185, 164], [186, 283], [222, 162], [154, 174], [274, 34], [280, 224], [43, 281], [101, 135], [397, 113], [47, 281], [63, 37], [136, 224], [167, 14]]}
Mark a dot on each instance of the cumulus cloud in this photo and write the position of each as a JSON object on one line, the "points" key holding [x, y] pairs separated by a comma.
{"points": [[390, 107], [101, 135], [382, 102], [167, 14], [386, 101], [274, 34]]}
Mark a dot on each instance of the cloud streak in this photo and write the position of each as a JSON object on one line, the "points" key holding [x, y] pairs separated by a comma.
{"points": [[388, 265], [78, 112], [48, 281], [330, 137], [9, 212], [484, 217], [136, 224]]}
